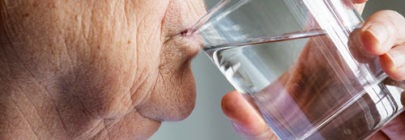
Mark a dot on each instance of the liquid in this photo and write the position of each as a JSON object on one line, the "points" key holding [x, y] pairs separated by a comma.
{"points": [[305, 89]]}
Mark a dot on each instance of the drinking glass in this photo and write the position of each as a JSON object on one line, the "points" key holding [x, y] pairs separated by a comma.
{"points": [[301, 66]]}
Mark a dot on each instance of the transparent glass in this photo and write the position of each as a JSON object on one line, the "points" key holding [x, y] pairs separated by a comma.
{"points": [[299, 64]]}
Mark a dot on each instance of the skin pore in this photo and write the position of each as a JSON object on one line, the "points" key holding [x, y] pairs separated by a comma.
{"points": [[94, 69]]}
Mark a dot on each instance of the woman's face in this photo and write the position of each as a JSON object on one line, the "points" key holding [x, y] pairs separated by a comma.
{"points": [[115, 59]]}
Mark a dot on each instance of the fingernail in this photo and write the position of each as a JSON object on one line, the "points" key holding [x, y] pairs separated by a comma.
{"points": [[388, 60], [396, 58], [378, 31]]}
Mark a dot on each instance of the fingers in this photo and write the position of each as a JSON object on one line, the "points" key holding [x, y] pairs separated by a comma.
{"points": [[383, 34], [382, 31], [393, 63], [246, 120]]}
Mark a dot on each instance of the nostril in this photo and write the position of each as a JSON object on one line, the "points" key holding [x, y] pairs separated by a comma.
{"points": [[187, 33]]}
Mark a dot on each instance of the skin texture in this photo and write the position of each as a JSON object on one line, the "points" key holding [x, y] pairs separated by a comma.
{"points": [[112, 70], [381, 36], [94, 69]]}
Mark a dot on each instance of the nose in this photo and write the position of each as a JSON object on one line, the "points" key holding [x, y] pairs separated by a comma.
{"points": [[179, 16], [188, 45]]}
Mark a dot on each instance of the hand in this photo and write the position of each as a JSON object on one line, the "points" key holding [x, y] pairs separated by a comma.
{"points": [[382, 35]]}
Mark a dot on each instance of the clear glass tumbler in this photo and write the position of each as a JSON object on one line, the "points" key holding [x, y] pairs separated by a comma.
{"points": [[299, 64]]}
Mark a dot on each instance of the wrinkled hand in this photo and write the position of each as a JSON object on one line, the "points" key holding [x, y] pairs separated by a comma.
{"points": [[382, 35]]}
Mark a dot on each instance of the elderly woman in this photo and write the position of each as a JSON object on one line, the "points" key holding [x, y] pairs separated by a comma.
{"points": [[105, 69]]}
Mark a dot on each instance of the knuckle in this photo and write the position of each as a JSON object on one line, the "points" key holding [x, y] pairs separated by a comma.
{"points": [[394, 14], [393, 23], [392, 19]]}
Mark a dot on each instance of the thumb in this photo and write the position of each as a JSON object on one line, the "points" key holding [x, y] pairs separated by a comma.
{"points": [[246, 119]]}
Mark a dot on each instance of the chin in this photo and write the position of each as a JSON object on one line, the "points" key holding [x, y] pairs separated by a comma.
{"points": [[185, 102]]}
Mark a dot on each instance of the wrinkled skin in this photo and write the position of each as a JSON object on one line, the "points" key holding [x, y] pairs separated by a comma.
{"points": [[111, 70], [94, 69], [381, 36]]}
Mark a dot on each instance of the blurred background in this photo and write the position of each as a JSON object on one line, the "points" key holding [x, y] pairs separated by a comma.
{"points": [[207, 121]]}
